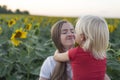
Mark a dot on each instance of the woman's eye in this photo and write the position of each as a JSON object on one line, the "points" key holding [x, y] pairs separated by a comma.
{"points": [[72, 31], [63, 32]]}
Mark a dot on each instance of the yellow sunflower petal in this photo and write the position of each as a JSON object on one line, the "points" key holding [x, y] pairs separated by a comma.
{"points": [[24, 35], [0, 30], [15, 42]]}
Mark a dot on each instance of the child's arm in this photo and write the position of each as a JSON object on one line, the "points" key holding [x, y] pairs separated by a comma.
{"points": [[62, 57], [106, 77]]}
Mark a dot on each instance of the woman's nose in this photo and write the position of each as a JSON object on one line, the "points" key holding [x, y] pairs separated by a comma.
{"points": [[70, 33]]}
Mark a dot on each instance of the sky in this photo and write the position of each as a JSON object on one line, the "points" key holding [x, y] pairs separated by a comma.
{"points": [[70, 8]]}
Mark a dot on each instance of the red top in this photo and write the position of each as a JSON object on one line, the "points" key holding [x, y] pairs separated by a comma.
{"points": [[85, 66]]}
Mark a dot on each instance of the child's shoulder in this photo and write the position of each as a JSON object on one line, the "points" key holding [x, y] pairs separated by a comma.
{"points": [[78, 48]]}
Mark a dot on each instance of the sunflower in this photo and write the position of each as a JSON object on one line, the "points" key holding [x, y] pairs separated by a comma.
{"points": [[111, 28], [25, 20], [11, 22], [28, 26], [0, 30], [19, 34], [36, 25]]}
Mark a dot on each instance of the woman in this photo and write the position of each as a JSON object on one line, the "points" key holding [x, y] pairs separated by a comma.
{"points": [[63, 36]]}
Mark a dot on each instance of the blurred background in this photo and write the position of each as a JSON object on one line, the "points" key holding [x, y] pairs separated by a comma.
{"points": [[25, 40]]}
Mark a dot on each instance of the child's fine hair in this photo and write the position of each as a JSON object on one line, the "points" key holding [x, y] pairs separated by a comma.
{"points": [[96, 33]]}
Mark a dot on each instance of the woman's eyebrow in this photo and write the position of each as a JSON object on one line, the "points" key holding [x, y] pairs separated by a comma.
{"points": [[72, 29], [64, 29], [67, 29]]}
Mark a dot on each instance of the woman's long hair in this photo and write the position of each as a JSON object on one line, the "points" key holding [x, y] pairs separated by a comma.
{"points": [[60, 70]]}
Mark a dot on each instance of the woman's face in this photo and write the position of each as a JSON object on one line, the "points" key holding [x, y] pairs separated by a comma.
{"points": [[67, 35]]}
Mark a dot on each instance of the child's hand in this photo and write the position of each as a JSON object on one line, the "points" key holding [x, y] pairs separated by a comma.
{"points": [[62, 57], [56, 52]]}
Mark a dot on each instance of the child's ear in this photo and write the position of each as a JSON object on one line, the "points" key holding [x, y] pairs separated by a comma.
{"points": [[82, 37]]}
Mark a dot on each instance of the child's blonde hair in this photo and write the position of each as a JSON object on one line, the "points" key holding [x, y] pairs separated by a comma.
{"points": [[96, 34]]}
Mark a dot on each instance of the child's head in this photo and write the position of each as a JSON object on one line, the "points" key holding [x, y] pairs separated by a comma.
{"points": [[93, 35]]}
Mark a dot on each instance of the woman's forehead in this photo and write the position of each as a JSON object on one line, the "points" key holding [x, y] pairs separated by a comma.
{"points": [[67, 26]]}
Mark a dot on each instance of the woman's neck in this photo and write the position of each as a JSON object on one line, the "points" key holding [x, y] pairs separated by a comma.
{"points": [[67, 48]]}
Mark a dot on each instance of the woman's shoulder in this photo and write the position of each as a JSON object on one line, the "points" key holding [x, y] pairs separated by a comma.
{"points": [[47, 67], [50, 60]]}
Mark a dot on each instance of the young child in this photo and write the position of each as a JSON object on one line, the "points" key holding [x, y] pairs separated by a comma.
{"points": [[88, 60]]}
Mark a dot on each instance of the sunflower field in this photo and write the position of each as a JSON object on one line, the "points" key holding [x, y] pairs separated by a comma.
{"points": [[25, 43]]}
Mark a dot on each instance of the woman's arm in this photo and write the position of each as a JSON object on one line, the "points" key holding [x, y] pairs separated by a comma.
{"points": [[107, 77], [62, 57]]}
